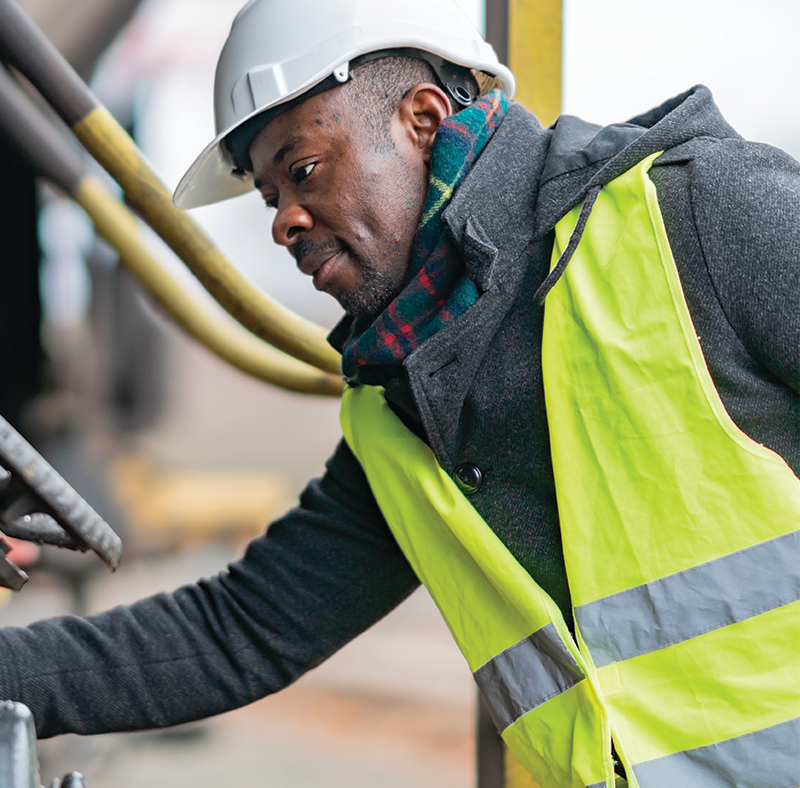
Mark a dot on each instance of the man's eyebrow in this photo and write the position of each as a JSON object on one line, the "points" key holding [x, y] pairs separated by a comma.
{"points": [[288, 147]]}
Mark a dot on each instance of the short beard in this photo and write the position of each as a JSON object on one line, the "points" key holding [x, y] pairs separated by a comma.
{"points": [[376, 292], [378, 288]]}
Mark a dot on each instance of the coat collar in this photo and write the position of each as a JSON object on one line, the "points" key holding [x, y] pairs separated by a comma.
{"points": [[528, 177], [489, 217]]}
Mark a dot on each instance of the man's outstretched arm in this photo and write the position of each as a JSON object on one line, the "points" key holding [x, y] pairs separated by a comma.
{"points": [[320, 576]]}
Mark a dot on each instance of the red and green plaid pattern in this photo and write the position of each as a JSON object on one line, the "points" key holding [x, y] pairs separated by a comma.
{"points": [[438, 289]]}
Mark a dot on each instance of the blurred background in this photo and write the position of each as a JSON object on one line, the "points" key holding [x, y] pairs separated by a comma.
{"points": [[188, 458]]}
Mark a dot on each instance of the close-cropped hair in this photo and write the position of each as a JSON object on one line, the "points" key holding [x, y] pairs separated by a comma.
{"points": [[379, 86]]}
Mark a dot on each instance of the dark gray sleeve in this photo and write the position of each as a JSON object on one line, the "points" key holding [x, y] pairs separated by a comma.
{"points": [[732, 214], [319, 576]]}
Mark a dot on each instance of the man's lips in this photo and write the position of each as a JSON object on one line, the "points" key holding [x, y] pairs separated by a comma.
{"points": [[323, 273], [319, 265]]}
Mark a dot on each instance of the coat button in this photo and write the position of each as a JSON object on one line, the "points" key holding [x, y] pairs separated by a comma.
{"points": [[468, 478]]}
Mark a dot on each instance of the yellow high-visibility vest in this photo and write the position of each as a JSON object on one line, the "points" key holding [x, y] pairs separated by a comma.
{"points": [[680, 538]]}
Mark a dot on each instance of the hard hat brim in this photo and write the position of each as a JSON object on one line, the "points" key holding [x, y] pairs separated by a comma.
{"points": [[209, 180]]}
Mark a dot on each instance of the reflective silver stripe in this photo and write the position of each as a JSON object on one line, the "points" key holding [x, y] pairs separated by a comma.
{"points": [[690, 603], [525, 675], [769, 758], [603, 784]]}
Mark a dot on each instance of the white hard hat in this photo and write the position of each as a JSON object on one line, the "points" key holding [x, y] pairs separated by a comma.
{"points": [[278, 50]]}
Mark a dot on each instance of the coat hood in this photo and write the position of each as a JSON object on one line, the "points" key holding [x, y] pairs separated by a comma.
{"points": [[582, 156]]}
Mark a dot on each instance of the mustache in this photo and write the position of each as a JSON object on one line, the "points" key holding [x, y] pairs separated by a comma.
{"points": [[303, 247]]}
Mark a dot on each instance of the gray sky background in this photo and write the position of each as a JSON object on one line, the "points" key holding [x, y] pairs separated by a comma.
{"points": [[622, 57]]}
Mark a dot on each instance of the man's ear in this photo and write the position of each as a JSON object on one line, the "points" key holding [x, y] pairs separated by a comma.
{"points": [[421, 113]]}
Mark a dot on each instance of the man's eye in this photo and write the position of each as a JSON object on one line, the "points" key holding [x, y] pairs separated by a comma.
{"points": [[301, 173], [271, 202]]}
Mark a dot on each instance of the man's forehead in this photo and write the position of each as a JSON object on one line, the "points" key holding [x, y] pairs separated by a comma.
{"points": [[301, 120], [241, 141]]}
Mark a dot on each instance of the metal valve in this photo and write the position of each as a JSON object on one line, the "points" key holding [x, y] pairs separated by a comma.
{"points": [[19, 759]]}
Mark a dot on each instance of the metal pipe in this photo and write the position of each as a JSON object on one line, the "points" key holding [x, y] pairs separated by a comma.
{"points": [[23, 46], [49, 150], [496, 13], [35, 487]]}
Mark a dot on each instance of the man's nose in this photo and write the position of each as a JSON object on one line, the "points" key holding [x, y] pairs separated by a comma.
{"points": [[290, 220]]}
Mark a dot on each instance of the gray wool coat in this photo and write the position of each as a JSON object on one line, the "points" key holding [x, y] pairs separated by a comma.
{"points": [[330, 568]]}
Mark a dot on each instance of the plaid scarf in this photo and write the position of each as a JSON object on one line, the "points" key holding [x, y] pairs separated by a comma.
{"points": [[438, 289]]}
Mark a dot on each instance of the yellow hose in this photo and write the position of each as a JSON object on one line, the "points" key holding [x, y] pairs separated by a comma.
{"points": [[231, 342], [264, 317]]}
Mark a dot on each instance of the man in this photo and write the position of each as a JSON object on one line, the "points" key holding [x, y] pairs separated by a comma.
{"points": [[603, 506]]}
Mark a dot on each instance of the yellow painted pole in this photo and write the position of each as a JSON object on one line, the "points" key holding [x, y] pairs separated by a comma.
{"points": [[535, 54]]}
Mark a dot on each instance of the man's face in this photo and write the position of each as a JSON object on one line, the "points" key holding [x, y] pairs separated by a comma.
{"points": [[347, 202]]}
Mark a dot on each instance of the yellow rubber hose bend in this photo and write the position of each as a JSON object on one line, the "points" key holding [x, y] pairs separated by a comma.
{"points": [[116, 152], [24, 46], [229, 341]]}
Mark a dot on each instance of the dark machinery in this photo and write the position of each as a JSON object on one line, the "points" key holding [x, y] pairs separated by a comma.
{"points": [[19, 763]]}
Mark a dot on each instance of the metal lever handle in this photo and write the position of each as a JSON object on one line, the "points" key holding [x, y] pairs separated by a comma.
{"points": [[36, 502]]}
